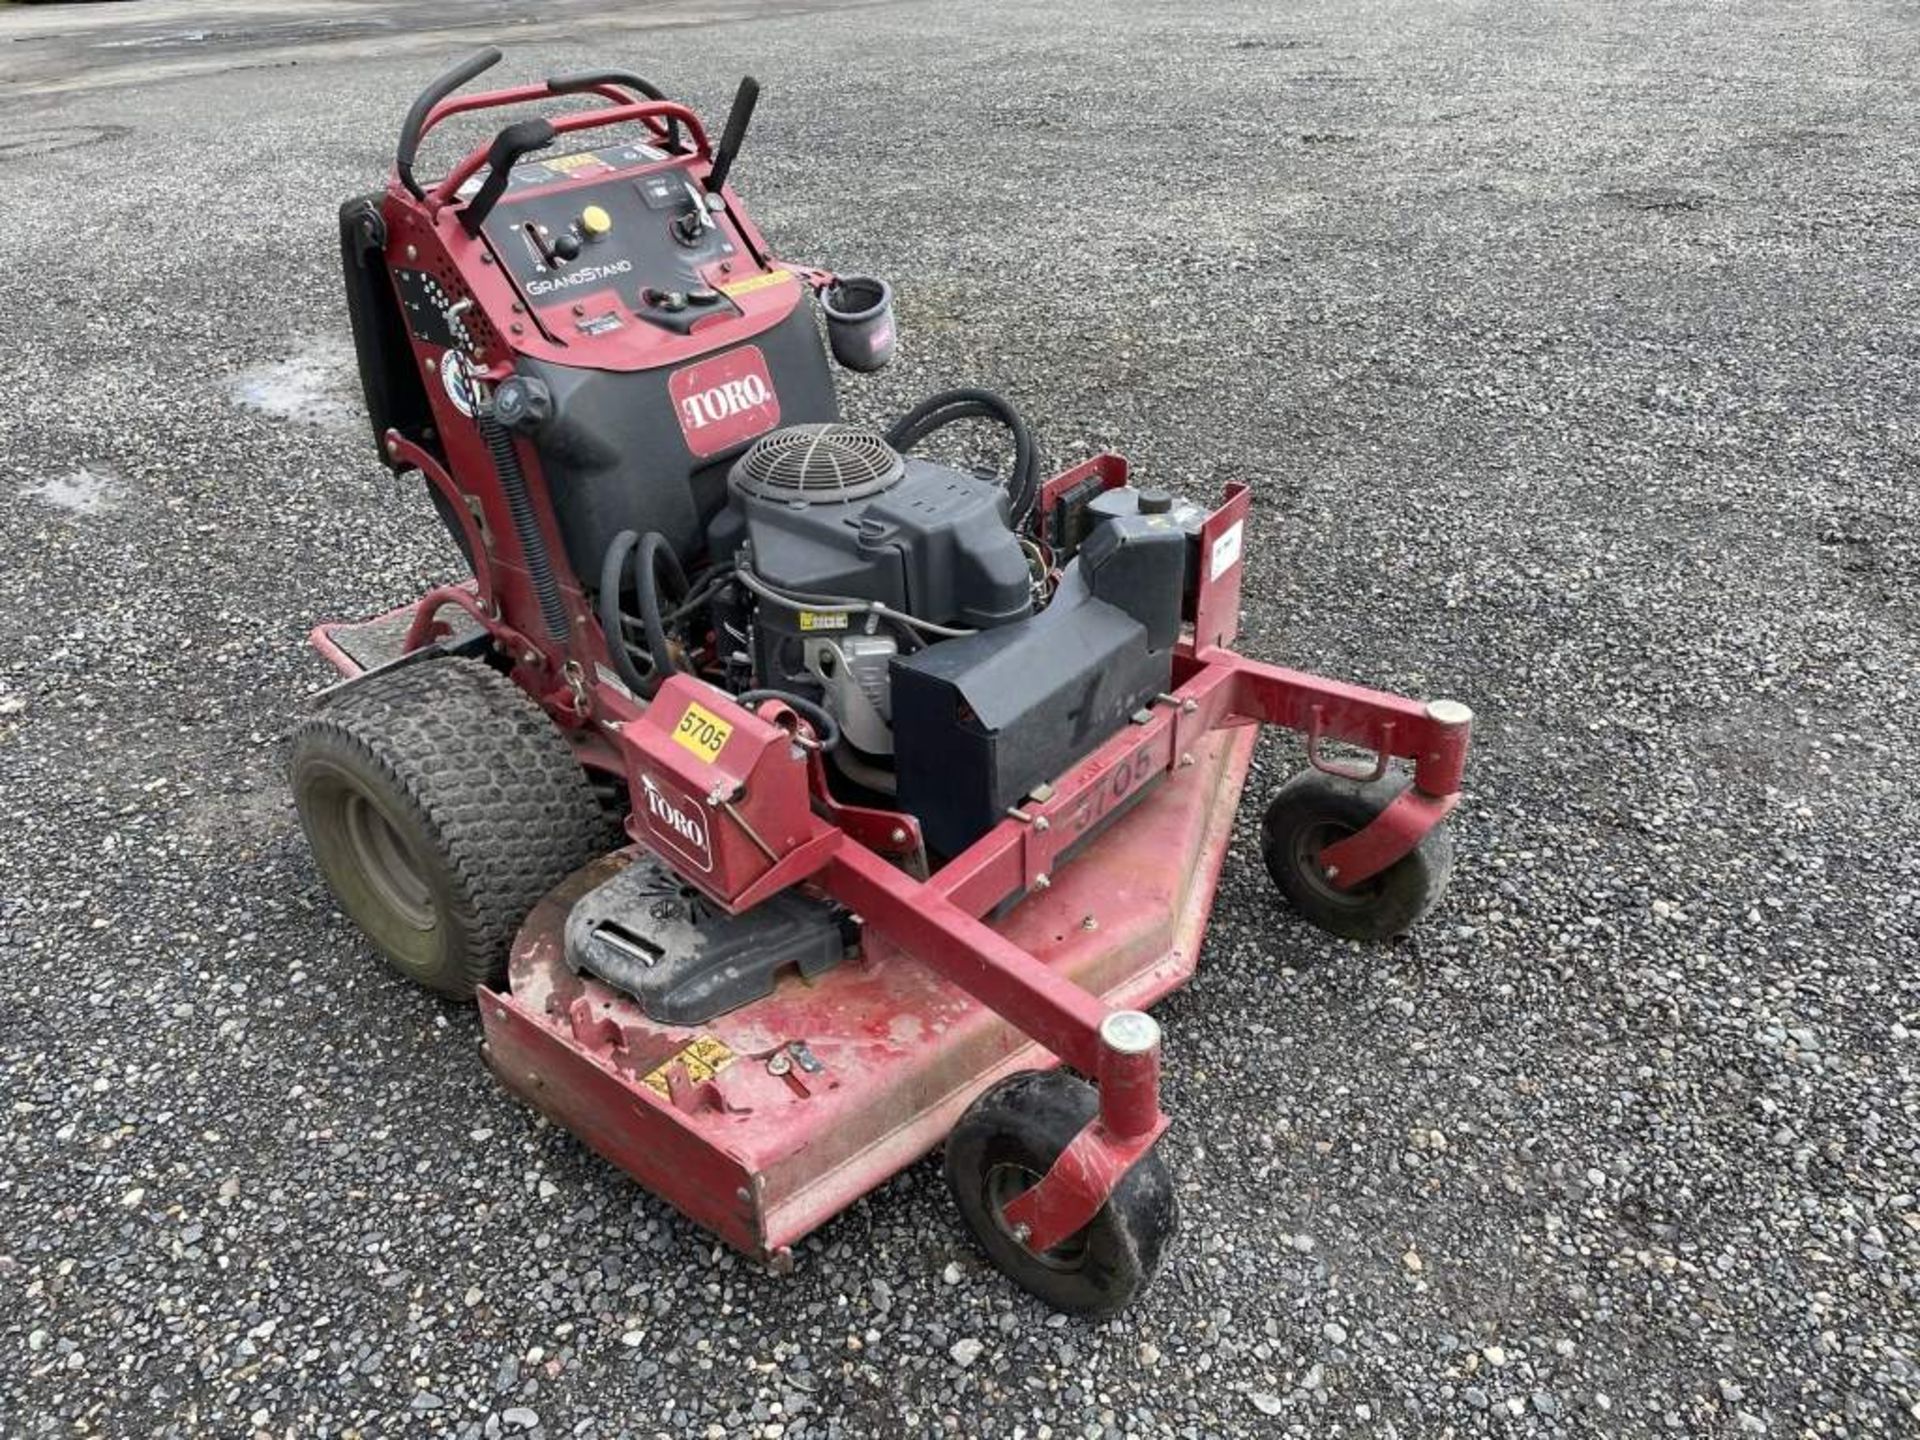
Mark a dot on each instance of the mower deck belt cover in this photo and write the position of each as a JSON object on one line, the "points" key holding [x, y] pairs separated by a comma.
{"points": [[649, 933]]}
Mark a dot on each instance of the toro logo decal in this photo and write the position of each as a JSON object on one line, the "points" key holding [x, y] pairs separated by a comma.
{"points": [[677, 823], [724, 401]]}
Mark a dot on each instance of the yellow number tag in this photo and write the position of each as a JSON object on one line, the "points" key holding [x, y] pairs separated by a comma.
{"points": [[703, 732]]}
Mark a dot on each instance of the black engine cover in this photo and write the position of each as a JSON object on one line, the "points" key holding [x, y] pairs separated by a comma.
{"points": [[979, 722]]}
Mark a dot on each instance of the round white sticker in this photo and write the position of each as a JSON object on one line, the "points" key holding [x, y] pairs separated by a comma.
{"points": [[456, 373]]}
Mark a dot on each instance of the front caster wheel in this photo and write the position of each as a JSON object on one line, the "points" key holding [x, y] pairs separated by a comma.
{"points": [[1313, 811], [1007, 1140]]}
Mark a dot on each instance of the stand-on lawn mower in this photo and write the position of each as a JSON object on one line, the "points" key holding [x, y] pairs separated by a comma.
{"points": [[928, 774]]}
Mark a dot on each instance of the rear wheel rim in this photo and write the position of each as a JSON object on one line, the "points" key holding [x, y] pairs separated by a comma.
{"points": [[387, 863], [1004, 1184]]}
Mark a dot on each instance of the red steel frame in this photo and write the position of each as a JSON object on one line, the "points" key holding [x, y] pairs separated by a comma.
{"points": [[767, 822]]}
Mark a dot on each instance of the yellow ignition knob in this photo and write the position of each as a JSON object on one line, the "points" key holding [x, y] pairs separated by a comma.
{"points": [[595, 222]]}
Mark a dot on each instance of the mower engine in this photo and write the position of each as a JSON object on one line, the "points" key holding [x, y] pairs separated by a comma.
{"points": [[959, 667]]}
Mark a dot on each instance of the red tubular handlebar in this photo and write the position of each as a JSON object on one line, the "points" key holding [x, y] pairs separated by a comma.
{"points": [[518, 95], [620, 114]]}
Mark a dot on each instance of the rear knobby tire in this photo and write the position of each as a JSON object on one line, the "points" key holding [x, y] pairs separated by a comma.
{"points": [[1314, 810], [441, 804], [1007, 1140]]}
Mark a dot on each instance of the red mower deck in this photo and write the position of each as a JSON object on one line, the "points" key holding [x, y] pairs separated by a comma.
{"points": [[778, 1116]]}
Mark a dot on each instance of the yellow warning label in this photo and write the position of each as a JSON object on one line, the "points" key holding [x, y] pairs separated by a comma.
{"points": [[823, 620], [702, 732], [575, 162], [705, 1058], [757, 282]]}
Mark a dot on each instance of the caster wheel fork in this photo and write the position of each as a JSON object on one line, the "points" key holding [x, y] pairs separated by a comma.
{"points": [[1007, 1141], [1315, 811]]}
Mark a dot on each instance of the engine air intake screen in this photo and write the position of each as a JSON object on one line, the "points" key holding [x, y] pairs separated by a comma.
{"points": [[818, 464]]}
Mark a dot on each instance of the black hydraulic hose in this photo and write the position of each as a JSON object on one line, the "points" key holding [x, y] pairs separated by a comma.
{"points": [[653, 550], [936, 412], [654, 554], [526, 527], [607, 604], [701, 594], [826, 728]]}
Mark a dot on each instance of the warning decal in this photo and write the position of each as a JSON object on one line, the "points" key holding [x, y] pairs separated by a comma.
{"points": [[756, 282], [703, 1059], [1226, 551]]}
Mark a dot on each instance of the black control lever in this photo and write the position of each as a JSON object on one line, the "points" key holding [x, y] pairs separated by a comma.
{"points": [[574, 84], [416, 120], [744, 99], [508, 146]]}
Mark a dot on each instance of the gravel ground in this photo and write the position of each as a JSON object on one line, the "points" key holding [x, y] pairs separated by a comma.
{"points": [[1572, 351]]}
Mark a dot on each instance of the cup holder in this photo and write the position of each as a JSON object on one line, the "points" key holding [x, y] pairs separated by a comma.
{"points": [[859, 311]]}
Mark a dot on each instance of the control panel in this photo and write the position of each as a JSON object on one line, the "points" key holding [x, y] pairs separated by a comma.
{"points": [[641, 230]]}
